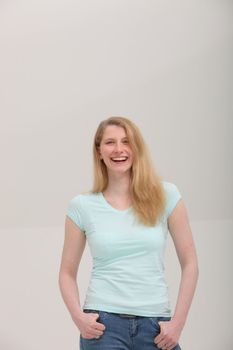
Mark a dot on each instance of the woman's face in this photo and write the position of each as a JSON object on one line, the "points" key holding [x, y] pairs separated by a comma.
{"points": [[114, 145]]}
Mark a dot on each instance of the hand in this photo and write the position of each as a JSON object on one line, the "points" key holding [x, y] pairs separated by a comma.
{"points": [[169, 335], [88, 326]]}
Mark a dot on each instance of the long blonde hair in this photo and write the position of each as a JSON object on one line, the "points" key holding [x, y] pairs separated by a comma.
{"points": [[146, 189]]}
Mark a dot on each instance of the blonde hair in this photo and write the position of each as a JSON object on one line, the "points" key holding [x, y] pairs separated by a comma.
{"points": [[146, 189]]}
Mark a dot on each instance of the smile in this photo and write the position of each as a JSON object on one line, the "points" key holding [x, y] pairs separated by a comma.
{"points": [[119, 159]]}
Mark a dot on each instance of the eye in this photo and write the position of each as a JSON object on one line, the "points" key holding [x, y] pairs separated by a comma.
{"points": [[125, 141]]}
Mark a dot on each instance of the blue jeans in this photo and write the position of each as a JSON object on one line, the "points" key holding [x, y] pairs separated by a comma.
{"points": [[125, 333]]}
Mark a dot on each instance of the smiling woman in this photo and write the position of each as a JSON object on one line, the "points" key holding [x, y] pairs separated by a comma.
{"points": [[115, 146], [126, 218]]}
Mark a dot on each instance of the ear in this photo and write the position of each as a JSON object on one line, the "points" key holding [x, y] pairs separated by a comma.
{"points": [[98, 150]]}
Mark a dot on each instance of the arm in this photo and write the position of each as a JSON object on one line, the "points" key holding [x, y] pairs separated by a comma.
{"points": [[179, 228], [74, 244], [178, 225]]}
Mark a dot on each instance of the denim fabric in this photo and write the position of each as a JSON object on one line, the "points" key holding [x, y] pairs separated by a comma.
{"points": [[125, 333]]}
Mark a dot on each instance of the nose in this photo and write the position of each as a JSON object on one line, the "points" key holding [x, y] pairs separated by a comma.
{"points": [[118, 146]]}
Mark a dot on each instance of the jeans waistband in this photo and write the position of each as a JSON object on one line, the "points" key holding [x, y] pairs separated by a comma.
{"points": [[127, 316], [121, 315]]}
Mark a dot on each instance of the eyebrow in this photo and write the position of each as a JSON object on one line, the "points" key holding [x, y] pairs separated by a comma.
{"points": [[111, 138]]}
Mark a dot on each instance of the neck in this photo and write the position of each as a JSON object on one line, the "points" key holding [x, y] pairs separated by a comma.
{"points": [[118, 185]]}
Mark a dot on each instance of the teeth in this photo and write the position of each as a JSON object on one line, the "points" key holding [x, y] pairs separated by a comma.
{"points": [[120, 158]]}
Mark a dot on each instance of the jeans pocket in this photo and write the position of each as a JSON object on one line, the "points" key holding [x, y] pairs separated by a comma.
{"points": [[102, 314], [82, 339], [156, 319]]}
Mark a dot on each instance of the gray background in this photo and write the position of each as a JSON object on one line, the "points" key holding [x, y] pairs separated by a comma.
{"points": [[67, 65]]}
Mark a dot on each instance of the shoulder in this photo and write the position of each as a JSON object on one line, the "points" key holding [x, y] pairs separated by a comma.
{"points": [[82, 199], [76, 201], [76, 209], [168, 186], [172, 195]]}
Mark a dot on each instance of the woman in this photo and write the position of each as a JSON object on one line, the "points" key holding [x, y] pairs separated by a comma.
{"points": [[125, 218]]}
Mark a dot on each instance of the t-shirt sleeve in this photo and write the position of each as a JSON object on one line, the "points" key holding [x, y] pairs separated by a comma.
{"points": [[173, 196], [75, 211]]}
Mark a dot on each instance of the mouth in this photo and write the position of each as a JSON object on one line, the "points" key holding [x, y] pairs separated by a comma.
{"points": [[119, 160]]}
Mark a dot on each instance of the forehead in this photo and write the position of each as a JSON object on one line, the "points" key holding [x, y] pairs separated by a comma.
{"points": [[114, 131]]}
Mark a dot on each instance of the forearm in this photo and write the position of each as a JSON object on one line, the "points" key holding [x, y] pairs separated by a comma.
{"points": [[187, 288], [70, 294]]}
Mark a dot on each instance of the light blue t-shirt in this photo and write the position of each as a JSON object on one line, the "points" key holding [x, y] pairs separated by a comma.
{"points": [[128, 258]]}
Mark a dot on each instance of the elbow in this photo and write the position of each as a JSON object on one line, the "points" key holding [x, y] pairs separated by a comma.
{"points": [[191, 266], [65, 275], [61, 277]]}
